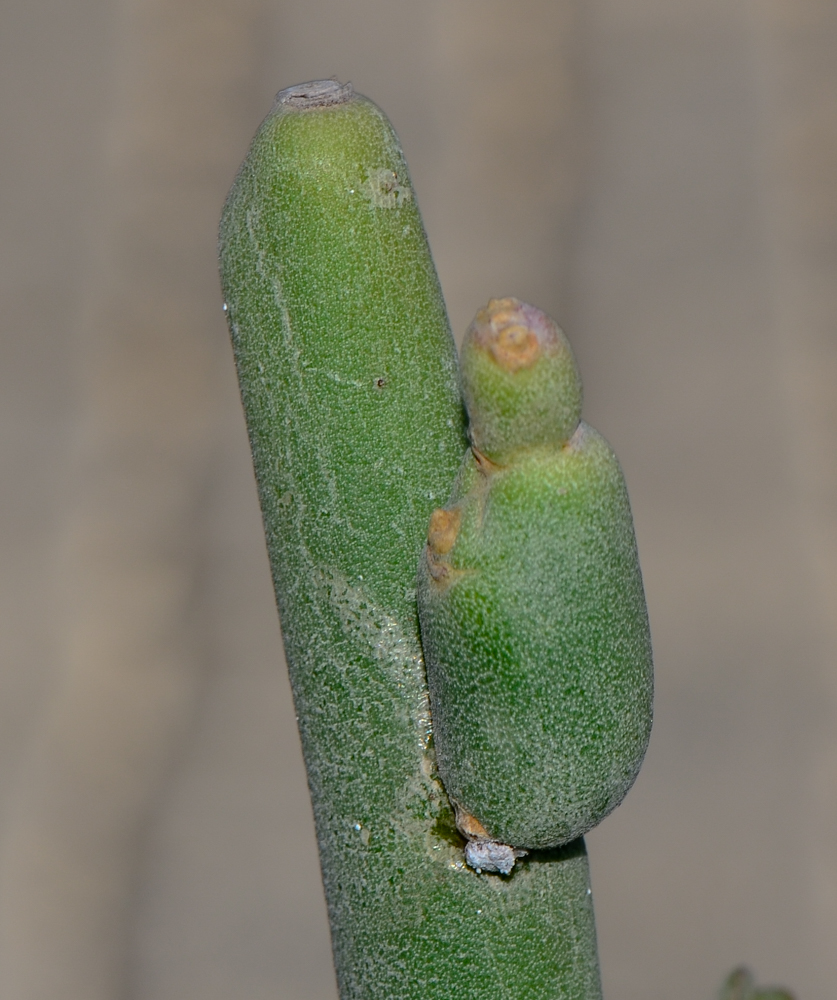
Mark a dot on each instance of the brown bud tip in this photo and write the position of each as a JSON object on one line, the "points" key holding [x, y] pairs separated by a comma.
{"points": [[514, 333]]}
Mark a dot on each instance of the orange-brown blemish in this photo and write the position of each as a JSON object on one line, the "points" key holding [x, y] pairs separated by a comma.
{"points": [[503, 329], [444, 527], [469, 826], [515, 348], [441, 537]]}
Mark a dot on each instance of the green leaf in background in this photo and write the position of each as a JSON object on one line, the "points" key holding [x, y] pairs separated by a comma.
{"points": [[532, 609], [741, 985]]}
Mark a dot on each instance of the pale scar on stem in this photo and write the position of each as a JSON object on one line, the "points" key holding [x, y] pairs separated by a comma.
{"points": [[445, 524], [441, 537], [444, 527]]}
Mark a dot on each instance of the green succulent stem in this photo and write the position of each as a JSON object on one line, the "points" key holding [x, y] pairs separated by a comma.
{"points": [[531, 603], [348, 379]]}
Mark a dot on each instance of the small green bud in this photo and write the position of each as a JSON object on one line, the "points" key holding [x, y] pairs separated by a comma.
{"points": [[533, 615], [519, 379]]}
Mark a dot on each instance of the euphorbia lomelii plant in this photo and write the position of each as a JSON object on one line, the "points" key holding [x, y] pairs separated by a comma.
{"points": [[449, 819]]}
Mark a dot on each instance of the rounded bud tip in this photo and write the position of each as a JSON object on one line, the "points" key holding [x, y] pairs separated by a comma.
{"points": [[519, 378]]}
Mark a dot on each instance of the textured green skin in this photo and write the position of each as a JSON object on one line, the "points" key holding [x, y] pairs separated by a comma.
{"points": [[537, 645], [329, 292]]}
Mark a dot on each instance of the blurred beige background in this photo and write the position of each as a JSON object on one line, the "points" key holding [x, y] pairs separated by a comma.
{"points": [[661, 175]]}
